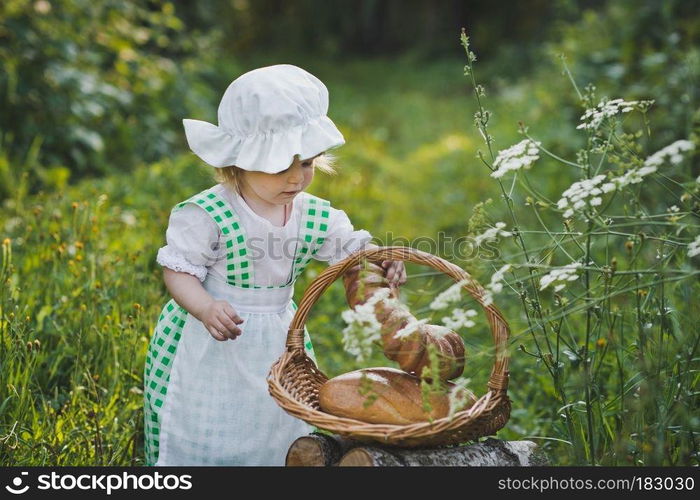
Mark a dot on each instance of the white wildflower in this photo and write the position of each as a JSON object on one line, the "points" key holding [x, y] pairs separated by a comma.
{"points": [[128, 218], [102, 199], [459, 396], [411, 327], [672, 152], [459, 319], [492, 233], [563, 274], [674, 209], [495, 285], [452, 294], [633, 176], [593, 117], [694, 247], [363, 328], [583, 192], [521, 155], [12, 223]]}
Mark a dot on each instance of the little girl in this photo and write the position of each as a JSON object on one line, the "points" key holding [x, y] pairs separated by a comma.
{"points": [[232, 256]]}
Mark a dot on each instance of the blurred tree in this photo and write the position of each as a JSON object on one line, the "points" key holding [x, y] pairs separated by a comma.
{"points": [[96, 87], [371, 27], [639, 50], [92, 86]]}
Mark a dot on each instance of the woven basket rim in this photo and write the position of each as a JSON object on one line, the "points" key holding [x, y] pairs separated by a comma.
{"points": [[489, 395], [496, 387]]}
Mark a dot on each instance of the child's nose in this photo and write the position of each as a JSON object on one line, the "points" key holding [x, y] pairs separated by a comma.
{"points": [[295, 177]]}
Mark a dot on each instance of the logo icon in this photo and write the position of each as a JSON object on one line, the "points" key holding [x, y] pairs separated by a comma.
{"points": [[17, 482]]}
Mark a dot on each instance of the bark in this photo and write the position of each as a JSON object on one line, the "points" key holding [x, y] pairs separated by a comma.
{"points": [[492, 452], [323, 450], [317, 450]]}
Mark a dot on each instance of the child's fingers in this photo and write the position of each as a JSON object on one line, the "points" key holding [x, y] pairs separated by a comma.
{"points": [[228, 328], [402, 276], [396, 274], [228, 319], [391, 271], [216, 334], [232, 335], [231, 312]]}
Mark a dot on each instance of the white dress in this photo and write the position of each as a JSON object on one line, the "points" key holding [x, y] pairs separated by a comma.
{"points": [[207, 401]]}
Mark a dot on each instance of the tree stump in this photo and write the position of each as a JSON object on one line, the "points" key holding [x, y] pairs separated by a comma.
{"points": [[320, 449], [317, 450]]}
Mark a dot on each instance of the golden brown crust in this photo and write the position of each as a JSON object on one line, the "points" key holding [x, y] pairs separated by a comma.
{"points": [[398, 397]]}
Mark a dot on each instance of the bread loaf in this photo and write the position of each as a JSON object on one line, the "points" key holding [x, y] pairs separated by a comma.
{"points": [[386, 396], [411, 352]]}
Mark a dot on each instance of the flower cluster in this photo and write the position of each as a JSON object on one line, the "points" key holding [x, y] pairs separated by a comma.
{"points": [[593, 117], [492, 233], [410, 327], [672, 152], [459, 395], [584, 192], [694, 247], [522, 155], [452, 294], [567, 273], [495, 285], [633, 176], [363, 328], [459, 319]]}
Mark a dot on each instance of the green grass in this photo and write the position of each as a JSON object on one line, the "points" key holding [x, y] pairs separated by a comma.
{"points": [[81, 290]]}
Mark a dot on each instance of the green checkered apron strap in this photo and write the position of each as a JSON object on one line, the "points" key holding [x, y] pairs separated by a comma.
{"points": [[159, 361], [313, 230], [168, 329], [239, 271]]}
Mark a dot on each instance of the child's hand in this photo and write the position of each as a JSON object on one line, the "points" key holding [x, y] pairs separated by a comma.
{"points": [[395, 272], [220, 318]]}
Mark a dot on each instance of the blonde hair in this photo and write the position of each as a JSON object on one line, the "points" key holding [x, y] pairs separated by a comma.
{"points": [[231, 176]]}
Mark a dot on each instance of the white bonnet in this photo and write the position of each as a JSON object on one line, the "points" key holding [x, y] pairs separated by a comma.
{"points": [[267, 116]]}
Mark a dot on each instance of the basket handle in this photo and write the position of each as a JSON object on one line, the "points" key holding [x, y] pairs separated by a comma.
{"points": [[498, 380]]}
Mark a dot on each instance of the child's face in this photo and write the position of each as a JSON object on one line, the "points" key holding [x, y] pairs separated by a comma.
{"points": [[282, 187]]}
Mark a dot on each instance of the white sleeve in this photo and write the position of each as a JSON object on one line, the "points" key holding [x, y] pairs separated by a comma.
{"points": [[341, 240], [192, 242]]}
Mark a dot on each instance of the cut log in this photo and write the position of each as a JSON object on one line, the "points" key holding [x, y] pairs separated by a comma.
{"points": [[369, 457], [317, 450], [320, 449], [492, 452]]}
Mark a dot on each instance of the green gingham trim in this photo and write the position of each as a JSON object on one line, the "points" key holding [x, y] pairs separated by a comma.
{"points": [[239, 271], [159, 361], [168, 330], [312, 231]]}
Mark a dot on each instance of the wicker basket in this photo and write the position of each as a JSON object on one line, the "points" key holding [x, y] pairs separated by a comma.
{"points": [[294, 380]]}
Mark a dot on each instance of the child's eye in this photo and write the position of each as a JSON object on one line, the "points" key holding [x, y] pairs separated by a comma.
{"points": [[306, 163]]}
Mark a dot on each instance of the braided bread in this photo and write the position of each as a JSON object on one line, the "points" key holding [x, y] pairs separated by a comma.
{"points": [[410, 352]]}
